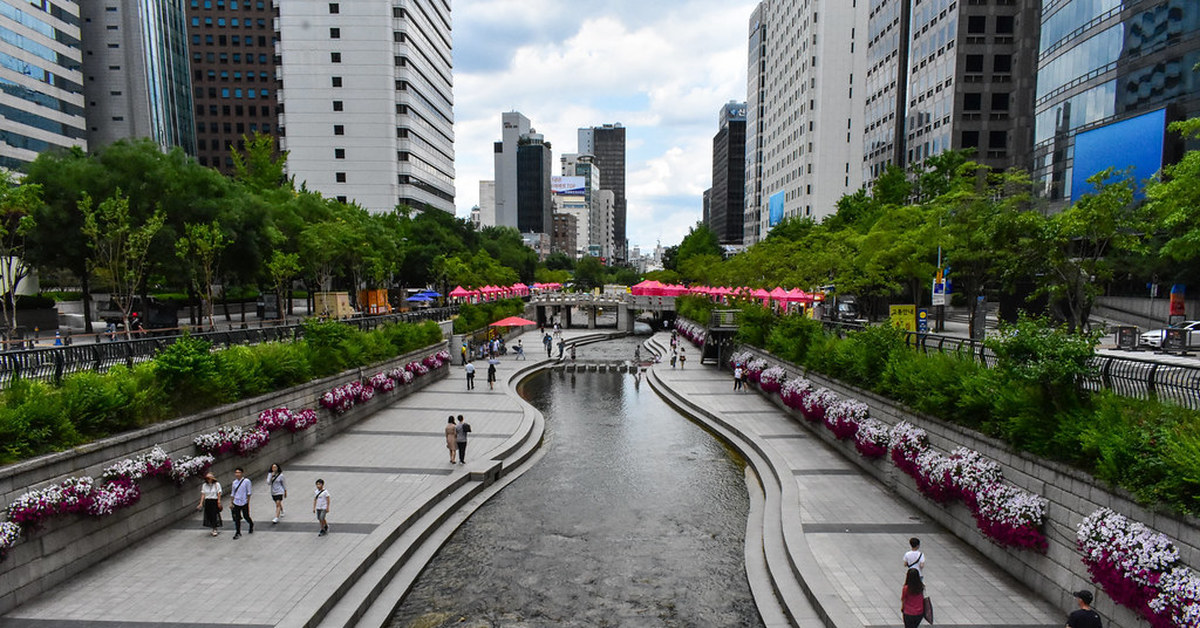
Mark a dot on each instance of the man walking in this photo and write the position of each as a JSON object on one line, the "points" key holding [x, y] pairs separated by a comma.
{"points": [[470, 368], [1085, 617], [548, 341], [240, 509], [914, 558], [460, 438]]}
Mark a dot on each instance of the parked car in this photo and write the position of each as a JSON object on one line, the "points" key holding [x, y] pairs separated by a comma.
{"points": [[1154, 337]]}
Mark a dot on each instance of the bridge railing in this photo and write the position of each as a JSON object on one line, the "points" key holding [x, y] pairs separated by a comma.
{"points": [[53, 363], [1131, 377]]}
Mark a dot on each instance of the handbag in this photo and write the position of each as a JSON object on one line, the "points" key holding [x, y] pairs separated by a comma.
{"points": [[928, 612]]}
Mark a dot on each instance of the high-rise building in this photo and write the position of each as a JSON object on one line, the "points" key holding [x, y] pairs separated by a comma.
{"points": [[566, 231], [137, 74], [606, 144], [571, 195], [756, 111], [807, 111], [41, 80], [726, 201], [487, 203], [950, 75], [513, 126], [1102, 64], [368, 108], [534, 164], [232, 45]]}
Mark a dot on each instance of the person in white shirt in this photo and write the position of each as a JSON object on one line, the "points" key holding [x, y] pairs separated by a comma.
{"points": [[278, 489], [470, 368], [321, 503], [239, 506], [915, 558], [210, 502]]}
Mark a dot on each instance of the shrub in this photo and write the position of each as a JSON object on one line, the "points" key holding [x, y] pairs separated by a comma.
{"points": [[240, 373], [792, 336], [187, 369]]}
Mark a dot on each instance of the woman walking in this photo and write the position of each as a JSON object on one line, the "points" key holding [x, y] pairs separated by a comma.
{"points": [[492, 374], [451, 438], [278, 489], [912, 599], [210, 502]]}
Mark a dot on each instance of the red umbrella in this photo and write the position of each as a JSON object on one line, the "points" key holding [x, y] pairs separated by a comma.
{"points": [[512, 321]]}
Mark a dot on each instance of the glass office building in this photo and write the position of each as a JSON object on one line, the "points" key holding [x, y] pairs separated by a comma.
{"points": [[41, 82], [1105, 61]]}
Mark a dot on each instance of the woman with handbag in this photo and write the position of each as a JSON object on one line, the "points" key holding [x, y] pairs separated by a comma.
{"points": [[912, 599], [210, 502]]}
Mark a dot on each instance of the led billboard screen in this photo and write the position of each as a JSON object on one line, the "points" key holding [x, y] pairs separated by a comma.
{"points": [[568, 186], [775, 209], [1136, 142]]}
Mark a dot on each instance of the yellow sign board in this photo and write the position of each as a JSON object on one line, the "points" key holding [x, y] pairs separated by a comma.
{"points": [[904, 317]]}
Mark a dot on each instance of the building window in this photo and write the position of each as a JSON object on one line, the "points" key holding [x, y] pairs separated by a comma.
{"points": [[1005, 24], [974, 63], [339, 153], [341, 199], [340, 177], [997, 140], [334, 8], [972, 101], [335, 33], [1000, 102], [977, 24], [337, 81], [335, 57], [337, 105], [1002, 64], [339, 129]]}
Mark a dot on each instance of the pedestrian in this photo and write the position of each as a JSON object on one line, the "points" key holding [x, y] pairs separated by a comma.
{"points": [[1084, 617], [210, 502], [464, 352], [682, 358], [491, 374], [572, 353], [451, 438], [239, 502], [637, 353], [460, 438], [674, 357], [278, 486], [914, 558], [470, 368], [519, 350], [548, 341], [561, 345], [321, 503], [912, 599], [737, 376]]}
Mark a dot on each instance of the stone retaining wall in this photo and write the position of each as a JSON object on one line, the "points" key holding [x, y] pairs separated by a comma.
{"points": [[71, 543], [1072, 494]]}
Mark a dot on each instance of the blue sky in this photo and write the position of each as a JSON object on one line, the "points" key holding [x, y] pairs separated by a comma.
{"points": [[661, 68]]}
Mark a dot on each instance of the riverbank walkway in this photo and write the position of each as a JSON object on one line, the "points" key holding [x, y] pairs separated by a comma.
{"points": [[396, 498]]}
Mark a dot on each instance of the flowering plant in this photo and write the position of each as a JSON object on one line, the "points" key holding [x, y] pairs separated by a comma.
{"points": [[10, 533], [794, 391], [754, 369], [382, 382], [191, 467], [365, 393], [842, 417], [418, 369], [73, 495], [274, 419], [771, 379], [1011, 516], [871, 439], [301, 420], [691, 331], [114, 495], [252, 440], [814, 404], [1136, 567], [343, 397], [154, 462], [968, 472], [907, 441], [931, 476], [741, 357], [224, 440]]}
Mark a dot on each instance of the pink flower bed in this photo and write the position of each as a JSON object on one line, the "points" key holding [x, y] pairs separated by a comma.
{"points": [[843, 417], [771, 379], [871, 439]]}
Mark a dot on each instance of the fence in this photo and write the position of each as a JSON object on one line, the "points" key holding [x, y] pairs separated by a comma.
{"points": [[1130, 377], [53, 363]]}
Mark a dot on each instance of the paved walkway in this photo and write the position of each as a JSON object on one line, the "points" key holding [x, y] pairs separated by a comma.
{"points": [[395, 494]]}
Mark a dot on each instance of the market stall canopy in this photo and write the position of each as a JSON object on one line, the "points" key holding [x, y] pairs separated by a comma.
{"points": [[459, 291], [512, 321]]}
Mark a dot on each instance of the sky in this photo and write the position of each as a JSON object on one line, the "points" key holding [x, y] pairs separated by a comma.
{"points": [[662, 68]]}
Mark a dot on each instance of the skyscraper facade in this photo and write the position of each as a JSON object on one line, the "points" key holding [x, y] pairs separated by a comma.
{"points": [[756, 110], [41, 80], [232, 44], [513, 126], [368, 108], [535, 212], [726, 201], [606, 144], [1103, 62], [886, 85], [808, 114], [137, 75]]}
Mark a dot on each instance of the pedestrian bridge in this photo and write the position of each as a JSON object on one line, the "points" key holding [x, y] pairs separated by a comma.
{"points": [[564, 307]]}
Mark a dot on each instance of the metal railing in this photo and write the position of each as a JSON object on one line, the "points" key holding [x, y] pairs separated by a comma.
{"points": [[53, 363], [1130, 377]]}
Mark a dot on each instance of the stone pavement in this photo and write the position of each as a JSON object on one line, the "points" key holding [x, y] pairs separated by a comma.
{"points": [[855, 529], [383, 474]]}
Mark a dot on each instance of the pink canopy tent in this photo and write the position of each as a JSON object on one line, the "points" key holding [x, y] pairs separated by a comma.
{"points": [[459, 292], [778, 294]]}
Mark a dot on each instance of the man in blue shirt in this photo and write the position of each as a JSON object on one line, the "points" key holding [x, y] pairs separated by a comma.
{"points": [[240, 492]]}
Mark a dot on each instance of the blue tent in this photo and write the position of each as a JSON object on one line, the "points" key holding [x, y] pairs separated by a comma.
{"points": [[419, 298]]}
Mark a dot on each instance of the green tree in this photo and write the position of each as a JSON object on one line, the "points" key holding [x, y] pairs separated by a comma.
{"points": [[589, 273], [260, 165], [700, 240], [119, 246], [17, 205], [281, 268], [202, 247], [1173, 198]]}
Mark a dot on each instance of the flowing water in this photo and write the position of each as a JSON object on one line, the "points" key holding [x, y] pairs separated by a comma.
{"points": [[634, 517]]}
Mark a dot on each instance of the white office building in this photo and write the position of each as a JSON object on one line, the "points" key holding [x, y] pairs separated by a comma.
{"points": [[805, 105], [368, 106], [487, 204], [514, 126], [41, 80]]}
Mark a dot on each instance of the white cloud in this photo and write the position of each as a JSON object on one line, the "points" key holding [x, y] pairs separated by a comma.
{"points": [[663, 72]]}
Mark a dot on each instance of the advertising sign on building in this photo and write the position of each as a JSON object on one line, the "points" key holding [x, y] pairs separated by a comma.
{"points": [[568, 186], [904, 317], [775, 208]]}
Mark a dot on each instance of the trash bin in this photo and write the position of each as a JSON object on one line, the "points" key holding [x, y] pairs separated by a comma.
{"points": [[1175, 339], [1127, 337]]}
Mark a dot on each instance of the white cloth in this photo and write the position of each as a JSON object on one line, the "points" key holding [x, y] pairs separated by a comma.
{"points": [[915, 559], [322, 496], [211, 491], [240, 491]]}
